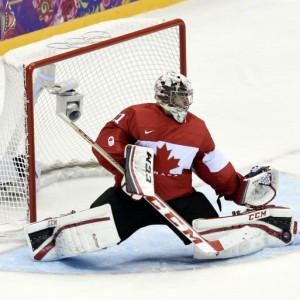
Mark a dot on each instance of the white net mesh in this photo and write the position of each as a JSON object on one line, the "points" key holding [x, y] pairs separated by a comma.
{"points": [[110, 79]]}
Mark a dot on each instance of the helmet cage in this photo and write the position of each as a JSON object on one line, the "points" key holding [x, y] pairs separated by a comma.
{"points": [[182, 100]]}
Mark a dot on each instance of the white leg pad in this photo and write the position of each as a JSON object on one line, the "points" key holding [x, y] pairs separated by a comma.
{"points": [[73, 234], [251, 231]]}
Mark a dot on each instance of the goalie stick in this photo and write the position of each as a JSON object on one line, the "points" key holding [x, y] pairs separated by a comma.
{"points": [[212, 248]]}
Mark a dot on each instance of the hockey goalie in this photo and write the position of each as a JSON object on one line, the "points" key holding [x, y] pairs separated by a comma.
{"points": [[159, 145]]}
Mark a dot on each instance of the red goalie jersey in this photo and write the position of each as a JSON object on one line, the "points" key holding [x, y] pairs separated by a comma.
{"points": [[179, 149]]}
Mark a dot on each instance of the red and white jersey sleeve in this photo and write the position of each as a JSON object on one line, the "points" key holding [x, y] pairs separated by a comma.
{"points": [[214, 169], [179, 149]]}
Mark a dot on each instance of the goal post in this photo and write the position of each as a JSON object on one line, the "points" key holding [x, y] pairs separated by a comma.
{"points": [[115, 64]]}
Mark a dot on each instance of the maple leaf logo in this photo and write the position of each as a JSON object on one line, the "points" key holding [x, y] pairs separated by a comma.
{"points": [[162, 162]]}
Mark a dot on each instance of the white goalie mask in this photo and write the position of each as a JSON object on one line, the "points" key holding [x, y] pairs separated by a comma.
{"points": [[174, 93]]}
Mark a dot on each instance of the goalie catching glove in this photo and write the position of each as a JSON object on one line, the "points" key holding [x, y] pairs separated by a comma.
{"points": [[258, 187], [138, 180]]}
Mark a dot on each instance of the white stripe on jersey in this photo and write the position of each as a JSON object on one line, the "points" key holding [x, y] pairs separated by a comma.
{"points": [[215, 160], [185, 154]]}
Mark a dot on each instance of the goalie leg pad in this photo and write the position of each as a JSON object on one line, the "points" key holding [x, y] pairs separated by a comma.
{"points": [[73, 234], [253, 230]]}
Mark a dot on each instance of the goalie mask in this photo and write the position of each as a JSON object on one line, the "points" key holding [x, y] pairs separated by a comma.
{"points": [[174, 93]]}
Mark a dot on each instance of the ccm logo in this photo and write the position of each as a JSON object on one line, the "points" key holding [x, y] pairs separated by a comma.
{"points": [[258, 215], [52, 222], [148, 167]]}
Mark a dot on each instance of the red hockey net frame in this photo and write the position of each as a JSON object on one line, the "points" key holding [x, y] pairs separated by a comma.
{"points": [[97, 46]]}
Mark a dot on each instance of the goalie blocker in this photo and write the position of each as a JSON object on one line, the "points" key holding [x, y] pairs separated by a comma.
{"points": [[138, 180]]}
